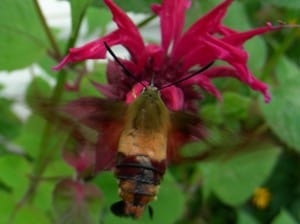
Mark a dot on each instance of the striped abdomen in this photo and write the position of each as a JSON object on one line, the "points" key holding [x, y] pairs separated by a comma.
{"points": [[139, 179]]}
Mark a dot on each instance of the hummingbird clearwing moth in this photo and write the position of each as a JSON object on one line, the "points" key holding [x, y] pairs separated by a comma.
{"points": [[135, 140]]}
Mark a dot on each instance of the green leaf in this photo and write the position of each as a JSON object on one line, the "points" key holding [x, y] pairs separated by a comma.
{"points": [[246, 218], [283, 112], [286, 71], [29, 139], [76, 202], [97, 75], [6, 206], [14, 171], [58, 168], [37, 91], [235, 106], [169, 205], [212, 113], [30, 214], [140, 6], [97, 18], [284, 217], [9, 123], [234, 180], [22, 40], [292, 4], [169, 198], [78, 9], [43, 195]]}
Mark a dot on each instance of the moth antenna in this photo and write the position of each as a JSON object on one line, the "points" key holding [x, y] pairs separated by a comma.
{"points": [[125, 70], [189, 76]]}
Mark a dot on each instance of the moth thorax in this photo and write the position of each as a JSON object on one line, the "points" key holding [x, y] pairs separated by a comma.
{"points": [[139, 179]]}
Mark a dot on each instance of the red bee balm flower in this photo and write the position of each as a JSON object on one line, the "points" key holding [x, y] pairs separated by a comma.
{"points": [[205, 41]]}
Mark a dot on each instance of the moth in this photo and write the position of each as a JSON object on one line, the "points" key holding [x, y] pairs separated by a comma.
{"points": [[137, 141]]}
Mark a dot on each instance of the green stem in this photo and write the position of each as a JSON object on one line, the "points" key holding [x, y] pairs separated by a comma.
{"points": [[146, 21], [46, 152], [47, 30]]}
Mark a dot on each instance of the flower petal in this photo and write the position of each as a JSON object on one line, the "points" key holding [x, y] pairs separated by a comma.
{"points": [[253, 83], [107, 90], [127, 35], [135, 91], [211, 49], [171, 13], [173, 97], [238, 39], [204, 83], [91, 50], [208, 24]]}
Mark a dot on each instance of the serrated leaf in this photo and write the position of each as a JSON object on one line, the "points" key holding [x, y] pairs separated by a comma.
{"points": [[283, 112], [284, 217], [22, 40], [76, 202], [234, 180]]}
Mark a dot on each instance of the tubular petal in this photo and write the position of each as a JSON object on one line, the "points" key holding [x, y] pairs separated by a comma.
{"points": [[207, 24], [225, 71], [135, 92], [131, 38], [238, 39], [173, 98], [171, 13], [127, 35]]}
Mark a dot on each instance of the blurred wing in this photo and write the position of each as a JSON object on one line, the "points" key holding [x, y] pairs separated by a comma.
{"points": [[106, 117], [185, 128]]}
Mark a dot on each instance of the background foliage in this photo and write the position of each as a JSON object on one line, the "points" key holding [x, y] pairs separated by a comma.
{"points": [[250, 173]]}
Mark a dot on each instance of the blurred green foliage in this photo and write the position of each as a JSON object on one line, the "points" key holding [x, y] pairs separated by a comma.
{"points": [[251, 144]]}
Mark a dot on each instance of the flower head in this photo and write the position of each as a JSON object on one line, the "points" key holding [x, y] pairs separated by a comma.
{"points": [[176, 57]]}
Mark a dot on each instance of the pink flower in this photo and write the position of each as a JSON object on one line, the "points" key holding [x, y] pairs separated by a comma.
{"points": [[206, 41]]}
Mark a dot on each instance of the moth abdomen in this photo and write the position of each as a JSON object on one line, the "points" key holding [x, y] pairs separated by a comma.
{"points": [[139, 179]]}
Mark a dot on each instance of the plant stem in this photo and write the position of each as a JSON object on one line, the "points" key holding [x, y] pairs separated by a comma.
{"points": [[46, 152], [146, 21], [47, 30]]}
